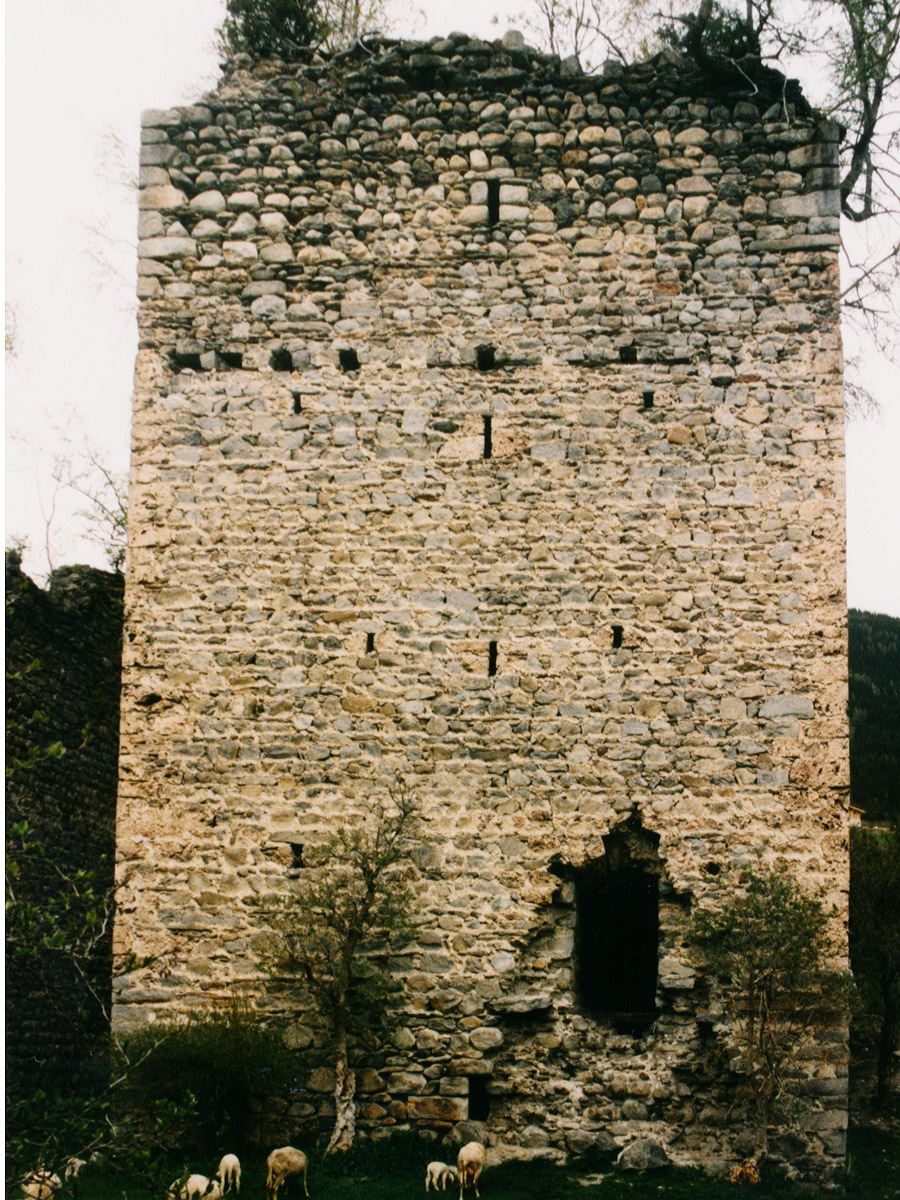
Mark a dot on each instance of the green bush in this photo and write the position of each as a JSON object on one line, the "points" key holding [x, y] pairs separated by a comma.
{"points": [[227, 1061], [767, 947]]}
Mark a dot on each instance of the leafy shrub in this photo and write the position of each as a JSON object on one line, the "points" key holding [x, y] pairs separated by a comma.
{"points": [[227, 1061], [768, 945]]}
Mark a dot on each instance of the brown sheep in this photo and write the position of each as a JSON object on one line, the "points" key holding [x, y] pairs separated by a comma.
{"points": [[284, 1163], [469, 1166]]}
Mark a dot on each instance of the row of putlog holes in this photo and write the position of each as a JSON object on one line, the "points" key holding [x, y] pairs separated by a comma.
{"points": [[617, 634]]}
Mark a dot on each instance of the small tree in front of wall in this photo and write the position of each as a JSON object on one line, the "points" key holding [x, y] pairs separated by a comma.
{"points": [[768, 947], [329, 936]]}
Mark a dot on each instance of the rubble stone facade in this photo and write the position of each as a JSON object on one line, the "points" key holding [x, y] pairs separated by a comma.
{"points": [[488, 436]]}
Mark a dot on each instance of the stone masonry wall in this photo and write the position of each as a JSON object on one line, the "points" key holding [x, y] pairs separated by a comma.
{"points": [[322, 554]]}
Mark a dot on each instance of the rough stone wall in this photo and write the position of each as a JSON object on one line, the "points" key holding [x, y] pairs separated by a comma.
{"points": [[321, 554], [63, 657]]}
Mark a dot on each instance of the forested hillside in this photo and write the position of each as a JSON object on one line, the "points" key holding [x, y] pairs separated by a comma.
{"points": [[875, 714]]}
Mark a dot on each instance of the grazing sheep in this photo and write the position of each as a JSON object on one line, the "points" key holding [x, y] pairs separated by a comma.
{"points": [[229, 1173], [469, 1166], [283, 1164], [41, 1185], [438, 1174], [196, 1187]]}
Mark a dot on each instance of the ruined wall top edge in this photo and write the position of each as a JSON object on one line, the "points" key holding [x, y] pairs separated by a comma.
{"points": [[460, 66]]}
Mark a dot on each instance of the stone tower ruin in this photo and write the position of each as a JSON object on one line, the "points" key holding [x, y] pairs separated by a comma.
{"points": [[488, 436]]}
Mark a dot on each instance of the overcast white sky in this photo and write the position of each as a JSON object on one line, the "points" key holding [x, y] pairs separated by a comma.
{"points": [[78, 77]]}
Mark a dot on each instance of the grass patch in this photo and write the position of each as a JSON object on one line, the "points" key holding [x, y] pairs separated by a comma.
{"points": [[394, 1169]]}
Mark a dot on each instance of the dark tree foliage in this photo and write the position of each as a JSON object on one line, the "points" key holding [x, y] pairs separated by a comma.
{"points": [[726, 33], [272, 28], [875, 943], [874, 653], [224, 1062], [767, 947], [331, 935]]}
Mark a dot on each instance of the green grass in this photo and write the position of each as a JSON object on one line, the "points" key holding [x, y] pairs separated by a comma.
{"points": [[394, 1169]]}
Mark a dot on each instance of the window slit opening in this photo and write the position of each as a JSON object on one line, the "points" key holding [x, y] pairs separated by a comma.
{"points": [[297, 403], [617, 632], [488, 447], [370, 643], [493, 202], [648, 399], [492, 658]]}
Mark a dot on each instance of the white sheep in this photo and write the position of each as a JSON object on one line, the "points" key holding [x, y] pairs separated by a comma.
{"points": [[229, 1173], [438, 1174], [196, 1187], [284, 1163], [469, 1166], [41, 1185], [73, 1168]]}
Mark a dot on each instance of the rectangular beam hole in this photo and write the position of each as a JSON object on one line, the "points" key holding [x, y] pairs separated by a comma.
{"points": [[617, 632], [233, 359], [486, 453], [628, 354], [297, 854], [648, 399], [186, 360], [370, 643], [485, 357], [281, 359], [297, 403], [348, 360]]}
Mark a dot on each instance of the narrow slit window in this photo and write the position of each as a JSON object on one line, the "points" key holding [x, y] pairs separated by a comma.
{"points": [[648, 399], [488, 447], [479, 1098], [297, 404], [370, 643], [281, 360], [348, 360], [486, 357], [492, 658], [617, 632], [493, 202], [628, 354]]}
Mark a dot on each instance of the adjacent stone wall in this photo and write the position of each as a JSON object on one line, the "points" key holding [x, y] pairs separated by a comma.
{"points": [[321, 554], [63, 659]]}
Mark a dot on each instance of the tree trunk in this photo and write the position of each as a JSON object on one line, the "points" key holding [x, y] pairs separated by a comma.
{"points": [[344, 1131]]}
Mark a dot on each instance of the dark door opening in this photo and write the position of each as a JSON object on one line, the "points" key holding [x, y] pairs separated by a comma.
{"points": [[479, 1099], [617, 941]]}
